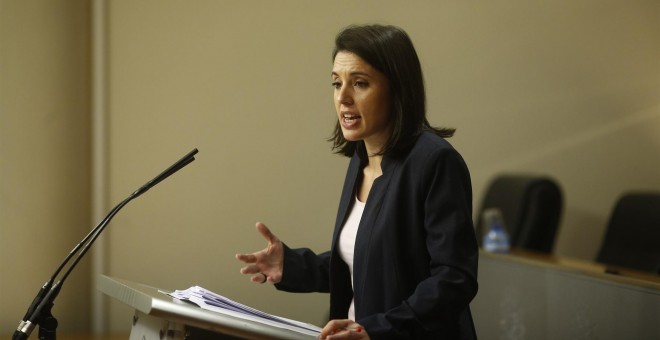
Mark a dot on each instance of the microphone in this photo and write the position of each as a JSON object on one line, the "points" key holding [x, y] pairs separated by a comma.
{"points": [[39, 311]]}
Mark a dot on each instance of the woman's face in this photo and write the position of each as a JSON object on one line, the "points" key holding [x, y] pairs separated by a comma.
{"points": [[362, 101]]}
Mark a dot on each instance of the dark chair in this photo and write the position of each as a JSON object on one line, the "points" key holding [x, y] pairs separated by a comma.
{"points": [[632, 238], [531, 207]]}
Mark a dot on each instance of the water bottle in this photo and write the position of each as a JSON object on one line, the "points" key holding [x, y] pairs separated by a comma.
{"points": [[496, 239]]}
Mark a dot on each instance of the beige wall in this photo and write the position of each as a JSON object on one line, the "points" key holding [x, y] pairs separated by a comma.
{"points": [[44, 154], [568, 88]]}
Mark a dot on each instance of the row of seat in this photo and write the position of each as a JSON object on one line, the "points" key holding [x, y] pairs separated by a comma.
{"points": [[532, 207]]}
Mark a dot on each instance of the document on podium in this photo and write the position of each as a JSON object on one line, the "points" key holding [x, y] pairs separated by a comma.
{"points": [[211, 301]]}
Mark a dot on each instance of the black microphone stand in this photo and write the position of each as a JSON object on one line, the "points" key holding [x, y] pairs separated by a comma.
{"points": [[40, 310]]}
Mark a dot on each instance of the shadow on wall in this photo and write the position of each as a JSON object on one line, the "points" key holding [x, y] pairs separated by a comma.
{"points": [[586, 237]]}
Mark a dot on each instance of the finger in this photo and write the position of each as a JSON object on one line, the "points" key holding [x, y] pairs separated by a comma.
{"points": [[250, 270], [356, 332], [274, 279], [334, 327], [259, 278], [266, 233], [339, 334], [344, 334], [350, 333], [247, 258]]}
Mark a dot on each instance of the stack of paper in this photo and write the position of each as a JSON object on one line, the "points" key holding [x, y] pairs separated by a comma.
{"points": [[214, 302]]}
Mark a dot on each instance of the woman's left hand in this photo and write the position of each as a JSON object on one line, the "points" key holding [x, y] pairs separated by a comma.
{"points": [[343, 329]]}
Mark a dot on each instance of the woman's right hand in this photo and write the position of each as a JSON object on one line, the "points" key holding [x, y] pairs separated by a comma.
{"points": [[267, 264]]}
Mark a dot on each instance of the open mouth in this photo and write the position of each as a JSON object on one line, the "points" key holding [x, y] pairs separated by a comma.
{"points": [[350, 117]]}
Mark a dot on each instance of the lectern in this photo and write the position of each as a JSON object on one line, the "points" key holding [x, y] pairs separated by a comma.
{"points": [[159, 316]]}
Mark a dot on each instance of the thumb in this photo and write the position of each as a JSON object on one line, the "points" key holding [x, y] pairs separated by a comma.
{"points": [[266, 233]]}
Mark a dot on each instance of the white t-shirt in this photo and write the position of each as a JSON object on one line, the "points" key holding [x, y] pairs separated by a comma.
{"points": [[347, 243]]}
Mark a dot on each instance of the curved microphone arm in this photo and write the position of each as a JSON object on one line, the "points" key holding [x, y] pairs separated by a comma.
{"points": [[39, 310]]}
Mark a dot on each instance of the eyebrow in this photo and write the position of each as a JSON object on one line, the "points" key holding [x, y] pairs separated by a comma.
{"points": [[354, 74]]}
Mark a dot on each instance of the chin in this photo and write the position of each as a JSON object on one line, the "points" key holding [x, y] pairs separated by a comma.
{"points": [[351, 137]]}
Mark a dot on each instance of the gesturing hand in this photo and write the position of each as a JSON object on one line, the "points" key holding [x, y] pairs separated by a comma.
{"points": [[267, 264]]}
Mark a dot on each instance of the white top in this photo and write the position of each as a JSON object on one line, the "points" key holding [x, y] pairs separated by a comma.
{"points": [[347, 243]]}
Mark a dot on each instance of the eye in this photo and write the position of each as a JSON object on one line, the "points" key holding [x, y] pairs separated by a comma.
{"points": [[361, 83], [336, 84]]}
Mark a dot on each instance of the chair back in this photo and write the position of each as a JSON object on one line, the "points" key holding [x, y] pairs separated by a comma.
{"points": [[531, 207], [632, 238]]}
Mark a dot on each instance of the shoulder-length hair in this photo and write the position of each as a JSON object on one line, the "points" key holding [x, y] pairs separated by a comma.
{"points": [[389, 50]]}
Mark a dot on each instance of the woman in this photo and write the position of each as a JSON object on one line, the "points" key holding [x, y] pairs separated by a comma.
{"points": [[403, 260]]}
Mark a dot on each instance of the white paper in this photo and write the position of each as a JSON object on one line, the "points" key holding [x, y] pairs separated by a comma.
{"points": [[209, 300]]}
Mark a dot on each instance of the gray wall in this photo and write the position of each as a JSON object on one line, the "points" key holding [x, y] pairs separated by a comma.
{"points": [[565, 88]]}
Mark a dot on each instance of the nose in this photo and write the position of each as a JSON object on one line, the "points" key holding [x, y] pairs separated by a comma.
{"points": [[344, 95]]}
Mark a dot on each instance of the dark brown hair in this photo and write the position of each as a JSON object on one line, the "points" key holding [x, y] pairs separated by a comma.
{"points": [[389, 50]]}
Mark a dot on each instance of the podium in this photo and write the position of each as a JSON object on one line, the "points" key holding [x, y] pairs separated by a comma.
{"points": [[159, 316]]}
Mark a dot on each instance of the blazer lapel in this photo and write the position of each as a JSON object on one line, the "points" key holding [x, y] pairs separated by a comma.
{"points": [[347, 196], [369, 221]]}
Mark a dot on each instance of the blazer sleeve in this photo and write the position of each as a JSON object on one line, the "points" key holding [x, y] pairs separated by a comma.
{"points": [[305, 271]]}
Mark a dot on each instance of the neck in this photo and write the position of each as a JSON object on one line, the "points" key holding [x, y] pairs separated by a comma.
{"points": [[374, 164], [376, 143], [373, 150]]}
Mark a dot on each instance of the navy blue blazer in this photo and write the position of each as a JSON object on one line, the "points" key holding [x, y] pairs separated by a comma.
{"points": [[415, 262]]}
